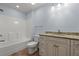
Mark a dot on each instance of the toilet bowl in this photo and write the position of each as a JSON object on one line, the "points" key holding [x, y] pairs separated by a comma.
{"points": [[32, 47], [32, 44]]}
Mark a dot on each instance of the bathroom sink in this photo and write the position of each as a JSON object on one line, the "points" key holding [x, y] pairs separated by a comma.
{"points": [[32, 44]]}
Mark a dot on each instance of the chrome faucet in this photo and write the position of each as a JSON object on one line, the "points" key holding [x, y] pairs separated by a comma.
{"points": [[59, 30]]}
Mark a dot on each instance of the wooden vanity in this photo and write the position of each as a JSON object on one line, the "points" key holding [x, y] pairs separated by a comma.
{"points": [[52, 44]]}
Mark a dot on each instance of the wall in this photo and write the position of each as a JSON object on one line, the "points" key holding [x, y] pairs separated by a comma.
{"points": [[65, 18], [14, 25]]}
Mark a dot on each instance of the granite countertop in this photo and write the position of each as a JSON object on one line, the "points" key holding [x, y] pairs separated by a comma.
{"points": [[73, 37]]}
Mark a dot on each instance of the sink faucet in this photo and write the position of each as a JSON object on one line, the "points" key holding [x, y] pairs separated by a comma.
{"points": [[58, 30]]}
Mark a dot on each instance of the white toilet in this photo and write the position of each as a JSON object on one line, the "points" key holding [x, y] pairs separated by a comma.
{"points": [[33, 45]]}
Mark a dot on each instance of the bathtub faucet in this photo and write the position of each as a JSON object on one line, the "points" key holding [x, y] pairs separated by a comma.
{"points": [[2, 40]]}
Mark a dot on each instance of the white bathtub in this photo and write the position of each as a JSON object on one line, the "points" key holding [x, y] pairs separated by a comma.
{"points": [[7, 48]]}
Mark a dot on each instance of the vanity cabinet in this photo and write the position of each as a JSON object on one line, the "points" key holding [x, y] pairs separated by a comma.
{"points": [[52, 46], [42, 45], [75, 47]]}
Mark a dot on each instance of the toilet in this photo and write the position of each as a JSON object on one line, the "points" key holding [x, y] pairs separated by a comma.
{"points": [[32, 45]]}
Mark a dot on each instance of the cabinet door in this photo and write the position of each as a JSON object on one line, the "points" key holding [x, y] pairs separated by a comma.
{"points": [[42, 46], [62, 50], [62, 47], [46, 46], [75, 48], [51, 49]]}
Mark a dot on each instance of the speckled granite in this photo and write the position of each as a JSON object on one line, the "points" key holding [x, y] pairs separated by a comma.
{"points": [[67, 35]]}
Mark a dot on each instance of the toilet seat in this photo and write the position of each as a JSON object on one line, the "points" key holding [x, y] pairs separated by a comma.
{"points": [[32, 44]]}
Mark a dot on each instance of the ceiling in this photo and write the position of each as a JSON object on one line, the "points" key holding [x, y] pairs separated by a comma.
{"points": [[24, 7]]}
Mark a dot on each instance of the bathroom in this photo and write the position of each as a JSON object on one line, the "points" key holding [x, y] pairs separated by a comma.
{"points": [[26, 27]]}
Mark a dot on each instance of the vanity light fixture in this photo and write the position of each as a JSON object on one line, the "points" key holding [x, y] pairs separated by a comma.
{"points": [[17, 6]]}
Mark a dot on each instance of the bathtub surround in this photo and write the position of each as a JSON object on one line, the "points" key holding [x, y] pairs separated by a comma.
{"points": [[15, 30], [14, 25]]}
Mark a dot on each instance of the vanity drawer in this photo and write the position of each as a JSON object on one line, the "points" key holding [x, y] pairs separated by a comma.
{"points": [[62, 41], [44, 39]]}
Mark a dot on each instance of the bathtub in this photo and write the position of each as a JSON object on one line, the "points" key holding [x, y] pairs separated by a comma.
{"points": [[10, 47]]}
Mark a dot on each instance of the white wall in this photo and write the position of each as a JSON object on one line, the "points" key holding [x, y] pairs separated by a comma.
{"points": [[11, 31], [66, 19]]}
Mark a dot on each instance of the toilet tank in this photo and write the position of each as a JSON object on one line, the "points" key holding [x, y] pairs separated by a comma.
{"points": [[35, 38]]}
